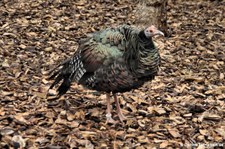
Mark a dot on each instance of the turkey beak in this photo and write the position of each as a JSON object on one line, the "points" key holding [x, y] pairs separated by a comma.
{"points": [[158, 32]]}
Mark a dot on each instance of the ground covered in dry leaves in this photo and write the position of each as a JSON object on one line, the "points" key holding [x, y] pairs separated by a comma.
{"points": [[182, 107]]}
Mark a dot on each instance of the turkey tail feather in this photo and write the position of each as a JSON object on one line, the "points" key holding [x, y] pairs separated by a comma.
{"points": [[68, 71], [63, 88], [52, 70]]}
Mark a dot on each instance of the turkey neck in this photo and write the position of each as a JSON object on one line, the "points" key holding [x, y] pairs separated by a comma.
{"points": [[147, 42], [143, 56]]}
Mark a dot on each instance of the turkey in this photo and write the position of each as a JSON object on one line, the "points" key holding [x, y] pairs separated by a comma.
{"points": [[113, 60]]}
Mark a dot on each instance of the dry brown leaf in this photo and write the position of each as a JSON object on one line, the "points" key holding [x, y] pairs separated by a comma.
{"points": [[174, 132], [164, 144], [201, 146], [132, 107], [221, 131], [5, 93], [38, 35], [6, 131], [129, 130], [31, 34], [213, 117], [5, 63], [177, 119], [158, 141], [2, 111], [159, 110], [188, 115], [142, 139], [52, 92], [48, 49], [86, 134], [70, 117], [203, 132], [194, 78], [20, 140], [20, 118], [80, 114], [200, 138], [94, 112], [132, 135], [221, 76], [44, 81], [138, 100], [41, 140], [150, 110]]}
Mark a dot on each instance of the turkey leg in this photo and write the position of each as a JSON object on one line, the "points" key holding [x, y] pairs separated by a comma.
{"points": [[109, 118], [118, 109]]}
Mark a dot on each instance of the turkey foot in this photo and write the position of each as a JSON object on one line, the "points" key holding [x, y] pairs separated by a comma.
{"points": [[109, 118], [121, 116], [119, 112]]}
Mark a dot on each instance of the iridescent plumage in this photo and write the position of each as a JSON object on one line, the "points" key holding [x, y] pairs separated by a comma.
{"points": [[113, 60]]}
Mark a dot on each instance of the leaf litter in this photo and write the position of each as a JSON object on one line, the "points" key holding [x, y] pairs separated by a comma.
{"points": [[184, 105]]}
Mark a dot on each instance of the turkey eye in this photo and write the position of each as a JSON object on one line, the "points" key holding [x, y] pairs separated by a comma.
{"points": [[150, 31]]}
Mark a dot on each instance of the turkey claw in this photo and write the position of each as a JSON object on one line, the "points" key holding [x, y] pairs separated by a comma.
{"points": [[109, 119], [122, 117]]}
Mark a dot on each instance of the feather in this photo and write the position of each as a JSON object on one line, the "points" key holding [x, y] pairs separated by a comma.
{"points": [[112, 60]]}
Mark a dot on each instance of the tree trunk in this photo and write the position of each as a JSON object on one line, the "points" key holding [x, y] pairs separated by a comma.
{"points": [[152, 12]]}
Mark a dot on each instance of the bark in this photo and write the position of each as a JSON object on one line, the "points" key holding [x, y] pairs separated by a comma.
{"points": [[152, 12]]}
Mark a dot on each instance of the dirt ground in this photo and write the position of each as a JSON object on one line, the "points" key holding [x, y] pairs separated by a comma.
{"points": [[183, 107]]}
